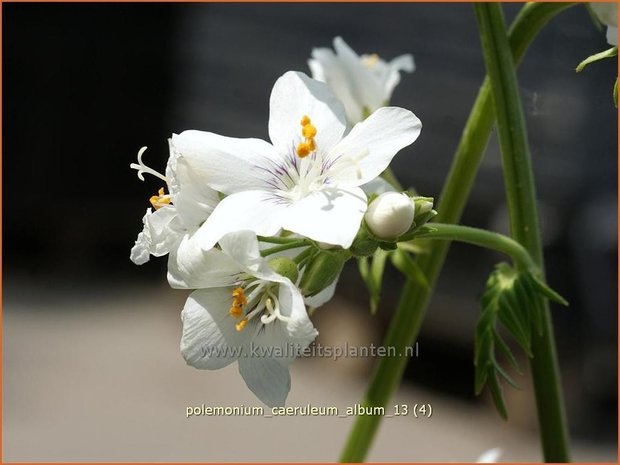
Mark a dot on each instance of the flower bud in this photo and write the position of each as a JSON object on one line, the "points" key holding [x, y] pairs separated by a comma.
{"points": [[321, 271], [390, 215], [285, 267], [422, 205]]}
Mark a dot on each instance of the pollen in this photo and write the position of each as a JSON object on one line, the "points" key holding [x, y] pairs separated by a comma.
{"points": [[160, 200], [238, 303], [303, 149], [239, 326], [308, 131]]}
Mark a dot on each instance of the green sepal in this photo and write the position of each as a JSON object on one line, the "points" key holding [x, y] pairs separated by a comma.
{"points": [[322, 270]]}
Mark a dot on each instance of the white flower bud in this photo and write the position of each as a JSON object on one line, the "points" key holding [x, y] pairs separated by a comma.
{"points": [[390, 215]]}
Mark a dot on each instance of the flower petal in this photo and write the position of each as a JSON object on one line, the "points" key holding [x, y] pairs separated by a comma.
{"points": [[140, 251], [268, 379], [327, 68], [322, 297], [377, 186], [242, 247], [295, 95], [251, 210], [210, 340], [370, 146], [365, 86], [193, 199], [189, 267], [392, 77], [299, 328], [226, 164], [331, 215]]}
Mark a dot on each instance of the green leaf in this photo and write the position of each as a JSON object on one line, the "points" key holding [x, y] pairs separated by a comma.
{"points": [[615, 93], [403, 262], [545, 290], [612, 52], [512, 298]]}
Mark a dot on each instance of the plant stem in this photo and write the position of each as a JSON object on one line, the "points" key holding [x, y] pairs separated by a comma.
{"points": [[279, 248], [406, 322], [521, 197], [482, 238], [277, 240]]}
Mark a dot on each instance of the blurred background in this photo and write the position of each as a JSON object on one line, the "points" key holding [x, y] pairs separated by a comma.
{"points": [[92, 369]]}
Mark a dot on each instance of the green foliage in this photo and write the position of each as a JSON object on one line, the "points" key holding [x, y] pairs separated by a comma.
{"points": [[512, 298]]}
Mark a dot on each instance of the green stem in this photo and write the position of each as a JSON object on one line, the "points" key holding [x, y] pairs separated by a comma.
{"points": [[277, 240], [279, 248], [406, 322], [482, 238], [521, 197]]}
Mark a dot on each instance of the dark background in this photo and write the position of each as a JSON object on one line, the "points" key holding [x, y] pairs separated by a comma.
{"points": [[85, 86]]}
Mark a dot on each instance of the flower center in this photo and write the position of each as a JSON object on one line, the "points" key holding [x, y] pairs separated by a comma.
{"points": [[160, 200], [260, 301], [308, 131]]}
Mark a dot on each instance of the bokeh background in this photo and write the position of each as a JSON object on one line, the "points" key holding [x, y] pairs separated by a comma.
{"points": [[91, 365]]}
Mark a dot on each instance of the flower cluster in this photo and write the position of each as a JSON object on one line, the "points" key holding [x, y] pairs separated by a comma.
{"points": [[259, 230]]}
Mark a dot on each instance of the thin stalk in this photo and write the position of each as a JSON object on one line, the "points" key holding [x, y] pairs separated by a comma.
{"points": [[483, 238], [279, 248], [522, 206], [406, 322]]}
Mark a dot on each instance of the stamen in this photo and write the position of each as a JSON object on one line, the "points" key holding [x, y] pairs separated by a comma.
{"points": [[241, 325], [308, 131], [238, 304], [142, 168], [160, 200]]}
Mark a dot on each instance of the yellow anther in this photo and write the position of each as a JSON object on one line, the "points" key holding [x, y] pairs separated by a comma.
{"points": [[303, 149], [308, 131], [160, 200], [236, 311], [239, 326], [239, 296], [238, 303], [370, 60]]}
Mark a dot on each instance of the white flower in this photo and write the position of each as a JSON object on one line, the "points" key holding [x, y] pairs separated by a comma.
{"points": [[177, 215], [364, 84], [247, 312], [390, 215], [308, 180], [607, 13]]}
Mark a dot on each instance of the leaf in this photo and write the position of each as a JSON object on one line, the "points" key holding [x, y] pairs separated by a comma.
{"points": [[545, 290], [403, 262], [512, 298]]}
